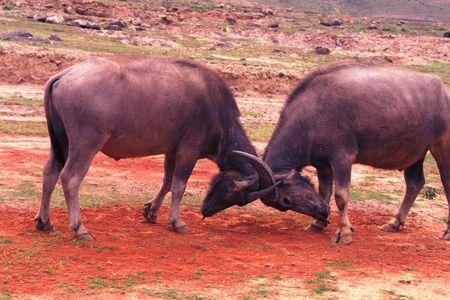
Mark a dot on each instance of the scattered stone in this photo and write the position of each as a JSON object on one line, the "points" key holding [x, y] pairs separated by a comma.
{"points": [[113, 27], [223, 44], [329, 22], [388, 59], [268, 12], [372, 27], [447, 34], [92, 25], [139, 28], [21, 36], [322, 50], [77, 23], [166, 20], [400, 23], [68, 9], [55, 19], [278, 51], [54, 38], [39, 17], [386, 29], [230, 20], [116, 25], [13, 35], [274, 25]]}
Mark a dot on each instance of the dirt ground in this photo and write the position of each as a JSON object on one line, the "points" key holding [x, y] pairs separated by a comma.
{"points": [[253, 252]]}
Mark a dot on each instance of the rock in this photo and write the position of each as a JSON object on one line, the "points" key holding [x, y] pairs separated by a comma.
{"points": [[274, 25], [68, 9], [54, 38], [447, 34], [39, 17], [55, 19], [116, 25], [268, 12], [21, 36], [230, 20], [329, 22], [223, 44], [14, 35], [372, 27], [278, 51], [139, 28], [92, 25], [113, 27], [388, 59], [166, 20], [322, 50], [77, 23]]}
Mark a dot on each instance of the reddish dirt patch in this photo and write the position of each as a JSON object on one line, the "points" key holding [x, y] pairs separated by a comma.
{"points": [[245, 246], [32, 68]]}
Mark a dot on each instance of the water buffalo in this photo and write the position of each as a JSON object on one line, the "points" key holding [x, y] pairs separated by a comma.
{"points": [[348, 113], [132, 107]]}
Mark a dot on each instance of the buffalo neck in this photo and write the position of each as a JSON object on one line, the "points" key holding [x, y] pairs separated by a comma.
{"points": [[286, 151], [235, 139]]}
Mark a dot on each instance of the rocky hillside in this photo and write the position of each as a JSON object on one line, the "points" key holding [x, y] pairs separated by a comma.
{"points": [[430, 10]]}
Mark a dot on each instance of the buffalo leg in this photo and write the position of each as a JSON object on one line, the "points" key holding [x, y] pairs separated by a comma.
{"points": [[184, 165], [73, 173], [325, 177], [342, 168], [51, 173], [441, 154], [151, 209], [414, 182]]}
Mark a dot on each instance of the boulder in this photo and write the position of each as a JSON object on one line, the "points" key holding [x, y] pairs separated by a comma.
{"points": [[92, 25], [77, 23], [55, 19], [447, 34], [273, 25], [372, 27], [322, 50], [331, 22], [40, 17], [230, 20]]}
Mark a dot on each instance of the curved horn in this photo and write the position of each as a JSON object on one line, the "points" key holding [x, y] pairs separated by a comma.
{"points": [[265, 175], [258, 194]]}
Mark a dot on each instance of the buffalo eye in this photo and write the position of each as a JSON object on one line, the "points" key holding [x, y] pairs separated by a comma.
{"points": [[286, 202]]}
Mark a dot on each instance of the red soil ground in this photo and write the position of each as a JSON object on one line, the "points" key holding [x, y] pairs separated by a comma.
{"points": [[225, 250]]}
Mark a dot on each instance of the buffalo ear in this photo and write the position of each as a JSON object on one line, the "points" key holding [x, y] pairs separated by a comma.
{"points": [[285, 176]]}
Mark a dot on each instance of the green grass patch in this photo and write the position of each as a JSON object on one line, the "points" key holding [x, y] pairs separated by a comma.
{"points": [[4, 240], [363, 195], [21, 101], [337, 264], [23, 127], [259, 132], [437, 68]]}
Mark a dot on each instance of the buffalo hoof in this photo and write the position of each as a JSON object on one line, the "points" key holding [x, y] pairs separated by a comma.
{"points": [[393, 225], [148, 214], [179, 227], [343, 236], [315, 228], [445, 235], [44, 226], [86, 236]]}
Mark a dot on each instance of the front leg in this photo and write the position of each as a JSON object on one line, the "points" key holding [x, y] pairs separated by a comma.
{"points": [[185, 162], [342, 169], [325, 177]]}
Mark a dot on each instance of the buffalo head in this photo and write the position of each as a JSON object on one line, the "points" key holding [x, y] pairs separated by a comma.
{"points": [[288, 191]]}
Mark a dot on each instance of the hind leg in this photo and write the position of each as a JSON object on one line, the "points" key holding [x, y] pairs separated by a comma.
{"points": [[51, 173], [325, 177], [73, 173], [441, 154], [150, 211], [414, 182]]}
